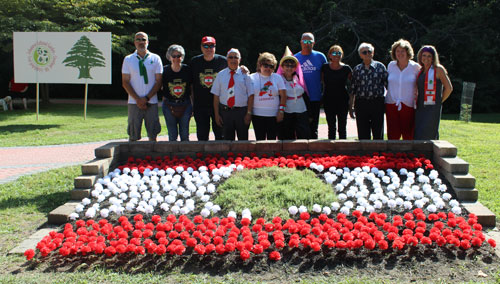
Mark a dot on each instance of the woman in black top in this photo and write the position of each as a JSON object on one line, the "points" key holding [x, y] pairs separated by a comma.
{"points": [[334, 75], [176, 92]]}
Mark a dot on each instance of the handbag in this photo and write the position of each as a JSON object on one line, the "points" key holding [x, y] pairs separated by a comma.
{"points": [[177, 111]]}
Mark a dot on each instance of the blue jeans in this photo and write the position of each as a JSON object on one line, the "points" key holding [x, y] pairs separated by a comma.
{"points": [[177, 126]]}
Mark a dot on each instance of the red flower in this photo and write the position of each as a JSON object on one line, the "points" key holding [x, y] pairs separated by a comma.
{"points": [[244, 255], [245, 221], [492, 242], [29, 254], [274, 255], [200, 249], [220, 249], [138, 218], [305, 216]]}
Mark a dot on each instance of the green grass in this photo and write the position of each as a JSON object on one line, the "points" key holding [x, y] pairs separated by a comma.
{"points": [[478, 143], [64, 124], [269, 192]]}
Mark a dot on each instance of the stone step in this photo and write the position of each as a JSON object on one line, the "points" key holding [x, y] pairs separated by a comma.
{"points": [[85, 181], [484, 216], [444, 149], [80, 193], [99, 167], [32, 241], [453, 165], [460, 180], [466, 194], [60, 215], [107, 151]]}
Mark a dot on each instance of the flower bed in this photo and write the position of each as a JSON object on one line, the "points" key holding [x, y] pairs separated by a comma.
{"points": [[387, 202]]}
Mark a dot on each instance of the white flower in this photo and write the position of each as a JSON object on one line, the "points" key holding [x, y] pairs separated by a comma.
{"points": [[403, 171], [90, 213], [216, 178], [360, 208], [164, 207], [79, 208], [293, 210], [205, 212], [73, 216], [339, 172], [349, 204], [232, 214], [408, 205], [420, 171], [335, 206], [184, 210], [175, 209], [85, 201], [446, 196], [339, 187], [211, 188], [104, 213], [302, 209], [327, 210], [391, 203], [399, 201], [344, 210], [391, 195], [330, 179], [454, 203], [443, 188], [332, 169], [320, 168], [432, 208], [215, 209], [205, 198], [316, 208], [456, 210], [342, 197]]}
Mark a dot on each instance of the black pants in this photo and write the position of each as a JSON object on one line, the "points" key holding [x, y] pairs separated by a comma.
{"points": [[202, 116], [265, 127], [334, 114], [294, 126], [234, 122], [370, 118], [313, 112]]}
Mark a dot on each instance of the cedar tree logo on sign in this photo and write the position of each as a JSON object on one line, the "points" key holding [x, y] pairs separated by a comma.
{"points": [[84, 55], [41, 56]]}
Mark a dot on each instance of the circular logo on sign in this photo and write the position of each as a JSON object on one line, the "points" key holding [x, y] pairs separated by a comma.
{"points": [[41, 56]]}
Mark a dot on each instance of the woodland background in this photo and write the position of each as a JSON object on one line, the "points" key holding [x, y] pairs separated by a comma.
{"points": [[465, 33]]}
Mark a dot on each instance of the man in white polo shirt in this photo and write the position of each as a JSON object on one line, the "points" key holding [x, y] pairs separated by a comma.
{"points": [[141, 79], [233, 97]]}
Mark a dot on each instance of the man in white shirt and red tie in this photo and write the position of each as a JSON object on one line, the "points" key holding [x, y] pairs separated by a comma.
{"points": [[233, 98]]}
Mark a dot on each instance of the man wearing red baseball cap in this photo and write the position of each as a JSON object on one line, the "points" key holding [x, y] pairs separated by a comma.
{"points": [[205, 68]]}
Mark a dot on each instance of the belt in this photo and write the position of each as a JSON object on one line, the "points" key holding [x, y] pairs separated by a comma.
{"points": [[226, 108], [368, 98], [292, 98]]}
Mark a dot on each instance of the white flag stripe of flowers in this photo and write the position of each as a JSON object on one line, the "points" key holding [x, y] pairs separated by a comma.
{"points": [[182, 191]]}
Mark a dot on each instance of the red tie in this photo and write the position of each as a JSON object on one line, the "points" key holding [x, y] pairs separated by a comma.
{"points": [[230, 87]]}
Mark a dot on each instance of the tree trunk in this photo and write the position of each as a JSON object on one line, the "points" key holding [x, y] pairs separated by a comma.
{"points": [[44, 94]]}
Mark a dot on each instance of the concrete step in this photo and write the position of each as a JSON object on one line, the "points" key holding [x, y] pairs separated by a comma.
{"points": [[484, 216], [30, 243], [60, 215]]}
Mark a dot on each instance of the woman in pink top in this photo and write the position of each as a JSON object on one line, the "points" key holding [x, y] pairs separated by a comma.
{"points": [[401, 92]]}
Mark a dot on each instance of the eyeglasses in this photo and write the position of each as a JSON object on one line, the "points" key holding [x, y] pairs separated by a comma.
{"points": [[141, 39], [365, 52], [233, 57], [307, 41], [265, 65], [336, 53], [289, 65], [207, 46], [176, 56]]}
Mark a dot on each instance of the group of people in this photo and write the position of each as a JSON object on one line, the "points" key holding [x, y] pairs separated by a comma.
{"points": [[283, 98]]}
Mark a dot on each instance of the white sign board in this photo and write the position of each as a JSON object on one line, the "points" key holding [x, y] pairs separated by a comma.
{"points": [[62, 57]]}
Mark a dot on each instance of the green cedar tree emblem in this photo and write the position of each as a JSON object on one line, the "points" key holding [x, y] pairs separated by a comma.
{"points": [[84, 55]]}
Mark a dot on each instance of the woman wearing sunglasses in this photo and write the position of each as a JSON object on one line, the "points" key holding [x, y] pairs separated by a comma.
{"points": [[434, 87], [335, 75], [176, 93], [269, 98], [401, 92], [295, 123]]}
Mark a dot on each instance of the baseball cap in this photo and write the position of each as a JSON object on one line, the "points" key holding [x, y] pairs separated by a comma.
{"points": [[207, 39]]}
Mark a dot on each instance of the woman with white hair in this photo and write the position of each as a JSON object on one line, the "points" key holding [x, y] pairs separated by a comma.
{"points": [[401, 92], [434, 87], [368, 86], [176, 93]]}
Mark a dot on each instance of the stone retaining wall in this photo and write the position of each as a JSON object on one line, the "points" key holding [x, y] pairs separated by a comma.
{"points": [[442, 153]]}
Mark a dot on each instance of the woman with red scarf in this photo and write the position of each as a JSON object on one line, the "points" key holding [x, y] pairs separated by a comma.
{"points": [[434, 87]]}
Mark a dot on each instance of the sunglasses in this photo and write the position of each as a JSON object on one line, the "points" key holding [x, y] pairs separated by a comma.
{"points": [[207, 46], [141, 39], [265, 65], [308, 41], [336, 53], [365, 52], [289, 65], [233, 57], [176, 56]]}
